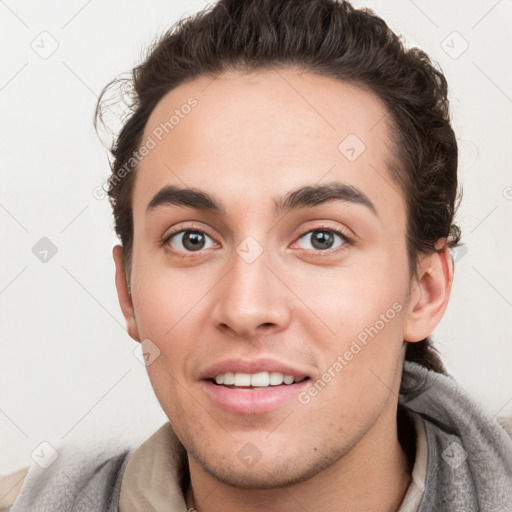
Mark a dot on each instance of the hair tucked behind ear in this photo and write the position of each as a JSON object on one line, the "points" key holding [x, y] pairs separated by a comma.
{"points": [[424, 353]]}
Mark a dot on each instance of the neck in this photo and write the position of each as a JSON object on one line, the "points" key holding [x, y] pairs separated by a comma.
{"points": [[373, 475]]}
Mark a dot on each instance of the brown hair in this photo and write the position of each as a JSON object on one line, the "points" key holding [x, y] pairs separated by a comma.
{"points": [[327, 38]]}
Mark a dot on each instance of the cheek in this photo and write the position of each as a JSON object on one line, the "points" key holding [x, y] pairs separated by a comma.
{"points": [[360, 363], [361, 313], [167, 300], [342, 303], [167, 311]]}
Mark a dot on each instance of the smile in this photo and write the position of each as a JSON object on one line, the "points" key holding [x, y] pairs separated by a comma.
{"points": [[253, 380], [252, 400]]}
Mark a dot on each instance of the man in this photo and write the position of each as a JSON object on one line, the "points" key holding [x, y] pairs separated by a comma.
{"points": [[285, 193]]}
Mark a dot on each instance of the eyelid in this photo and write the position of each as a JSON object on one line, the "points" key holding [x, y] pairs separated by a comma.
{"points": [[186, 227], [326, 226], [322, 226]]}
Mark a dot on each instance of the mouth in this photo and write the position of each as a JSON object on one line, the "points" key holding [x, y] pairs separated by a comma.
{"points": [[252, 394], [254, 385]]}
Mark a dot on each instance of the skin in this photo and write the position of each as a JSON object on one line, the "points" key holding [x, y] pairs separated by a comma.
{"points": [[253, 137]]}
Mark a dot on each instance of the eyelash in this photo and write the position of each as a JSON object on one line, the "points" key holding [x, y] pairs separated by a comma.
{"points": [[317, 253]]}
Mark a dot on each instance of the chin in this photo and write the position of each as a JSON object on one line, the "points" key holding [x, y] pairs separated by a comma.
{"points": [[273, 473]]}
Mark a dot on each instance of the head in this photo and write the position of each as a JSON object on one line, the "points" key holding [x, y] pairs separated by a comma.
{"points": [[319, 169]]}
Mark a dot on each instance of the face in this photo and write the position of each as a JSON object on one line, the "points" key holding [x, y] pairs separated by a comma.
{"points": [[292, 265]]}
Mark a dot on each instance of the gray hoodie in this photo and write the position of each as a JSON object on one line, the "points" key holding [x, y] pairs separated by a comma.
{"points": [[469, 458]]}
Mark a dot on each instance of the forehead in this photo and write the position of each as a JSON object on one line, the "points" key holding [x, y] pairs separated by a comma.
{"points": [[248, 134]]}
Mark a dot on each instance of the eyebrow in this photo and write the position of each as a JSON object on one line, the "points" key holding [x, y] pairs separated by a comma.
{"points": [[303, 197]]}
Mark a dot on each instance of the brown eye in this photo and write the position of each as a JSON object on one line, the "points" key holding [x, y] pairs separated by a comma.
{"points": [[188, 241], [323, 239]]}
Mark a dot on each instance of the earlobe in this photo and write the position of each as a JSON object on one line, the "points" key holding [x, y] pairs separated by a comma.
{"points": [[429, 295], [123, 293]]}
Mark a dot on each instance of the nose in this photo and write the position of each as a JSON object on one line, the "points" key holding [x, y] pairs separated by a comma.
{"points": [[252, 300]]}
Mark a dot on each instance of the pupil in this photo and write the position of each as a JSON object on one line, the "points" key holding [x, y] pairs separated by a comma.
{"points": [[322, 240], [193, 240]]}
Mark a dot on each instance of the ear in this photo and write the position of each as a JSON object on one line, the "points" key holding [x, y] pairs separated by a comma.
{"points": [[123, 293], [430, 292]]}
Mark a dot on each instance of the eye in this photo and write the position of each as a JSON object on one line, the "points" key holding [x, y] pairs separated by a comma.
{"points": [[323, 239], [188, 240]]}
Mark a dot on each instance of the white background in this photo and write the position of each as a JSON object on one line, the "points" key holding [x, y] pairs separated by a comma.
{"points": [[67, 368]]}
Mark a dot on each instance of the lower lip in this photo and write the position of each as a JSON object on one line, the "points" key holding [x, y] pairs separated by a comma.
{"points": [[252, 400]]}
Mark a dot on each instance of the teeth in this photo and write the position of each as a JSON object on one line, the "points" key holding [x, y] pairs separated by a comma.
{"points": [[261, 379], [229, 379], [242, 379], [288, 379], [276, 378]]}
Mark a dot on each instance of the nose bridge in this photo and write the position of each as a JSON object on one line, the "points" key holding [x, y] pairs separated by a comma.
{"points": [[251, 296]]}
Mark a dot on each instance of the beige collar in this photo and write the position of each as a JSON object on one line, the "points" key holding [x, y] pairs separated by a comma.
{"points": [[152, 477]]}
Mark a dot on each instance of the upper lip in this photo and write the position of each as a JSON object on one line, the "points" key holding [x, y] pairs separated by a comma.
{"points": [[241, 365]]}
